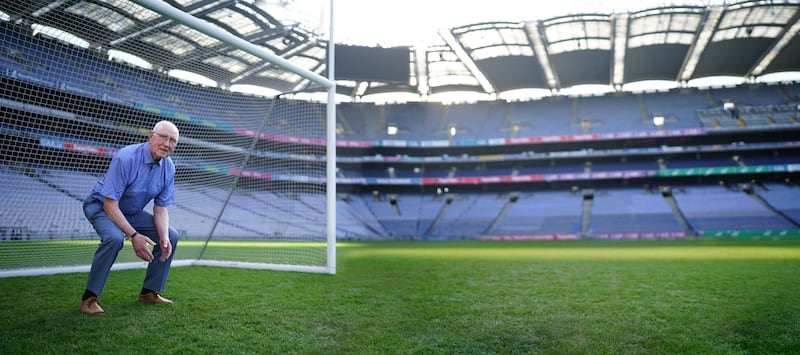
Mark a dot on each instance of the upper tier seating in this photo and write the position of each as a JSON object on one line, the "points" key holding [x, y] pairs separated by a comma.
{"points": [[66, 68]]}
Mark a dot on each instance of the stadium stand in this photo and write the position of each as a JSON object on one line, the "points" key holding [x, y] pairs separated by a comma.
{"points": [[783, 198], [678, 107], [544, 117], [611, 113], [720, 208], [536, 156], [62, 219], [635, 211], [468, 215], [542, 213]]}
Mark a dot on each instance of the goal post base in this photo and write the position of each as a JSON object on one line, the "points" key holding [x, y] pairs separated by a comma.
{"points": [[52, 270], [266, 266]]}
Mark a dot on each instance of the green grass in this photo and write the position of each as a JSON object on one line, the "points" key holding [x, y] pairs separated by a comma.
{"points": [[694, 296]]}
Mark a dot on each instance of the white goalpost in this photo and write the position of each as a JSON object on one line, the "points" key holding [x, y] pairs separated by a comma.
{"points": [[256, 176]]}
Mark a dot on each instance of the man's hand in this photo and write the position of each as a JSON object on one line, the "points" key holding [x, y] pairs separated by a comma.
{"points": [[161, 219], [140, 243], [166, 250]]}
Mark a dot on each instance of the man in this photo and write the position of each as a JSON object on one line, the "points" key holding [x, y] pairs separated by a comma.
{"points": [[138, 174]]}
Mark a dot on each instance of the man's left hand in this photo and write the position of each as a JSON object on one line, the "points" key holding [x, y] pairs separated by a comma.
{"points": [[166, 250]]}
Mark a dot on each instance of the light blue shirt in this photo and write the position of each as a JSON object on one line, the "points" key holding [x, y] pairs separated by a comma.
{"points": [[134, 179]]}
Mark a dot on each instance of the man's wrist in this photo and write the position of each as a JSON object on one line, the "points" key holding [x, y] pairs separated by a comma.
{"points": [[134, 234]]}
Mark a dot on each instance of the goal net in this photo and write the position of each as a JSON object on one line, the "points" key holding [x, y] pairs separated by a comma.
{"points": [[255, 175]]}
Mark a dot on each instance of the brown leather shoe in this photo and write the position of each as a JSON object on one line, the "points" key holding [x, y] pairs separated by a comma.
{"points": [[90, 306], [153, 298]]}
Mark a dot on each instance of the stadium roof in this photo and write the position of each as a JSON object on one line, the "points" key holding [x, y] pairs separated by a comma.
{"points": [[675, 43]]}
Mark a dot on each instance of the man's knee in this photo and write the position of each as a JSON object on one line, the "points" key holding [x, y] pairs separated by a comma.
{"points": [[115, 241]]}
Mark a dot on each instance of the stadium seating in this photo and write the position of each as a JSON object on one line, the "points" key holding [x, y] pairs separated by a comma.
{"points": [[631, 211], [414, 215], [46, 216], [356, 221], [678, 107], [753, 95], [103, 79], [782, 197], [415, 121], [718, 208], [540, 118], [469, 215], [542, 213], [475, 120], [611, 113], [400, 216]]}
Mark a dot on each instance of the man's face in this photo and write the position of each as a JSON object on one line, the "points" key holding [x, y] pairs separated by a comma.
{"points": [[163, 142]]}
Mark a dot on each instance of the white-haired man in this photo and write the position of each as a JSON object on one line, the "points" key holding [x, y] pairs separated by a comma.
{"points": [[136, 175]]}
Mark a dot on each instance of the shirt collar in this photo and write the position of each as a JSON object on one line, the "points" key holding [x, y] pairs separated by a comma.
{"points": [[148, 158]]}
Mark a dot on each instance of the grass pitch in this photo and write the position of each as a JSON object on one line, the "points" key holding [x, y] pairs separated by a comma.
{"points": [[692, 296]]}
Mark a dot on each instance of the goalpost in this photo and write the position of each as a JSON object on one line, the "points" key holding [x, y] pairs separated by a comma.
{"points": [[255, 181]]}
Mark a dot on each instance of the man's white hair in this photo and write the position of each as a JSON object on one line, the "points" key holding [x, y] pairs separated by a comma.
{"points": [[165, 123]]}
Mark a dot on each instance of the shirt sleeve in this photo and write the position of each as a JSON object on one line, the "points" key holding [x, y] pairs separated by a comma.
{"points": [[114, 180]]}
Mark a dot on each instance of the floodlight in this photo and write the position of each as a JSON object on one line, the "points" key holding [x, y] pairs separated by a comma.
{"points": [[728, 106], [658, 120]]}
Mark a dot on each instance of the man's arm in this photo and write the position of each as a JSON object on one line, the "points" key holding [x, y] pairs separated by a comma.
{"points": [[161, 219], [111, 207]]}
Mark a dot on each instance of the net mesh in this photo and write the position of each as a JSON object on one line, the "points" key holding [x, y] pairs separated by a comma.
{"points": [[250, 180]]}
